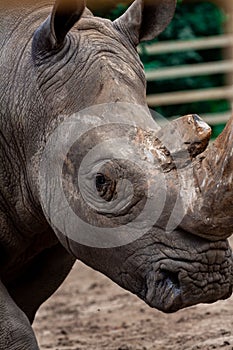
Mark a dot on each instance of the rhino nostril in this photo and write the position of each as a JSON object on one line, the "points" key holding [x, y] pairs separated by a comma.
{"points": [[171, 277]]}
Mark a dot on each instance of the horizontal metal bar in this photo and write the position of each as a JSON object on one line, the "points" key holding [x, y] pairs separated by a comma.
{"points": [[179, 97], [190, 70], [216, 118], [204, 43]]}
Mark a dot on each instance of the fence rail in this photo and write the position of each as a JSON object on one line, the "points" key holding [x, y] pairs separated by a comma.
{"points": [[211, 42], [215, 67], [190, 70], [173, 98]]}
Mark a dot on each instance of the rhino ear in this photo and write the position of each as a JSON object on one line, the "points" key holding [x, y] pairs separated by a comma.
{"points": [[51, 34], [146, 19], [65, 14]]}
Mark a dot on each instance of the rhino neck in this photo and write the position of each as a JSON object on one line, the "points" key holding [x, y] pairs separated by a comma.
{"points": [[19, 133]]}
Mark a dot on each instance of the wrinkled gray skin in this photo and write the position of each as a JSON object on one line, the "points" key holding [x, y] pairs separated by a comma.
{"points": [[69, 62]]}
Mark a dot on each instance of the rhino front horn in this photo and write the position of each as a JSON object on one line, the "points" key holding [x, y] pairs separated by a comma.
{"points": [[210, 204]]}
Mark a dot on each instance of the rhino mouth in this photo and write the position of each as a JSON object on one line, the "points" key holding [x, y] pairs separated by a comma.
{"points": [[165, 293], [176, 285]]}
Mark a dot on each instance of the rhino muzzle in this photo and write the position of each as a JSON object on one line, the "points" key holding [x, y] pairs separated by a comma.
{"points": [[176, 284]]}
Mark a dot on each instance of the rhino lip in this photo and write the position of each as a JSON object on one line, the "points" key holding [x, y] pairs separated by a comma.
{"points": [[165, 293]]}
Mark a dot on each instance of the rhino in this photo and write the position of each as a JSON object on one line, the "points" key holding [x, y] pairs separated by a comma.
{"points": [[87, 174]]}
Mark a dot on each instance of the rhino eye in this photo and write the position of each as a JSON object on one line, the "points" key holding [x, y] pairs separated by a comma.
{"points": [[105, 186], [100, 181]]}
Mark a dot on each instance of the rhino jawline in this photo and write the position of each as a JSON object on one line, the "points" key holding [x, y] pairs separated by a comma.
{"points": [[168, 295]]}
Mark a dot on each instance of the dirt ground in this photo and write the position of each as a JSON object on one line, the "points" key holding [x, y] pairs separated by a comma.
{"points": [[89, 312]]}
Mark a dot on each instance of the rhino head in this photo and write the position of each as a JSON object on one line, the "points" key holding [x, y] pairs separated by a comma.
{"points": [[149, 207]]}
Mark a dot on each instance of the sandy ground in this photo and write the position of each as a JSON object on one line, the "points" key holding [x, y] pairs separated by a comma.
{"points": [[89, 312]]}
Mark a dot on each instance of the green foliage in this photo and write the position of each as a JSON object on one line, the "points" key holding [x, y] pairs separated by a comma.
{"points": [[114, 13], [117, 11], [192, 20]]}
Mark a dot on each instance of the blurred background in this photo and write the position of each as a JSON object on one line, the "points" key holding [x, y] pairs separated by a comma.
{"points": [[189, 67]]}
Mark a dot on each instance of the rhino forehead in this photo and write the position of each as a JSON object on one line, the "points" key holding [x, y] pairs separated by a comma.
{"points": [[101, 45], [93, 62]]}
